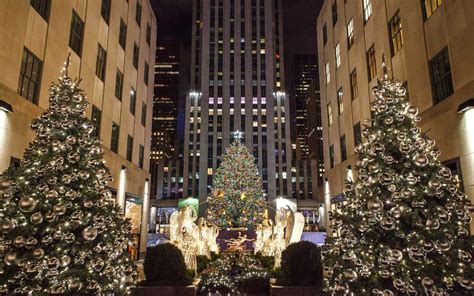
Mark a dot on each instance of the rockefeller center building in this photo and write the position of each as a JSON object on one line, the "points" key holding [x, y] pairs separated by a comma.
{"points": [[112, 49], [237, 81], [425, 46]]}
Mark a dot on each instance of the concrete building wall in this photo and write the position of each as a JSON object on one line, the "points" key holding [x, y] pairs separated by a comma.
{"points": [[425, 34], [21, 26]]}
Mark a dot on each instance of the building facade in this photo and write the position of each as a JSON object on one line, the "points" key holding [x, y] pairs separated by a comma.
{"points": [[429, 47], [112, 45], [237, 80]]}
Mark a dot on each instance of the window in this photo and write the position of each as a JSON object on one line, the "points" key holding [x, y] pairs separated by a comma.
{"points": [[129, 147], [122, 33], [371, 65], [429, 7], [141, 156], [76, 34], [340, 101], [354, 86], [96, 119], [30, 76], [343, 148], [105, 10], [42, 7], [118, 85], [146, 73], [338, 55], [325, 34], [334, 13], [101, 62], [328, 73], [332, 159], [138, 13], [441, 80], [367, 9], [396, 34], [133, 101], [350, 33], [136, 53], [357, 134], [144, 113], [329, 110], [114, 141], [148, 33], [14, 163]]}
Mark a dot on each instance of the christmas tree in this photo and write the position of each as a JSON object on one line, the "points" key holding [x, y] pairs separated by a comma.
{"points": [[237, 194], [403, 227], [61, 230]]}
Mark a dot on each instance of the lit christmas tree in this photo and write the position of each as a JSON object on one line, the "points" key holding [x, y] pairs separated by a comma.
{"points": [[61, 230], [237, 194], [403, 227]]}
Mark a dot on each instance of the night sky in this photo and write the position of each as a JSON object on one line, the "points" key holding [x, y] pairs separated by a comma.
{"points": [[174, 22]]}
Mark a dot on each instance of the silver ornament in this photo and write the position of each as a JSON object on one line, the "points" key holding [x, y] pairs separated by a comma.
{"points": [[7, 225], [375, 205], [19, 241], [411, 111], [65, 260], [74, 284], [38, 253], [420, 160], [36, 218], [89, 233], [396, 212], [52, 194], [59, 209], [10, 258], [27, 204]]}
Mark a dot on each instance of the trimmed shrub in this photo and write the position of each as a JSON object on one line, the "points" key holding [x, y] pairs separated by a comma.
{"points": [[164, 266], [301, 265]]}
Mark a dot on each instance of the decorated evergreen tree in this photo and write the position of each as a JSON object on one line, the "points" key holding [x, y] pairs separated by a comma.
{"points": [[237, 194], [61, 232], [403, 227]]}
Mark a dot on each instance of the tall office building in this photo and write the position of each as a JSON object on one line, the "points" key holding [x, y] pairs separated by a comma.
{"points": [[305, 70], [428, 45], [237, 78], [112, 45], [305, 67], [165, 101]]}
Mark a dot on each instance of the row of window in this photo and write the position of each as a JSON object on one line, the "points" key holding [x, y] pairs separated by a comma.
{"points": [[96, 119]]}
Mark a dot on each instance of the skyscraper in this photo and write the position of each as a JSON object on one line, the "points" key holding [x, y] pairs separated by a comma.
{"points": [[305, 67], [165, 101], [305, 70], [237, 79]]}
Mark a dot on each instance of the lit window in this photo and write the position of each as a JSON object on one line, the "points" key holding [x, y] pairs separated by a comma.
{"points": [[329, 110], [340, 101], [328, 74], [350, 33], [367, 9], [371, 65], [396, 34], [338, 55], [429, 7]]}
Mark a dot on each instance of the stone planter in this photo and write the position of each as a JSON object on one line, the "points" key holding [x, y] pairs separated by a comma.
{"points": [[165, 291], [296, 291]]}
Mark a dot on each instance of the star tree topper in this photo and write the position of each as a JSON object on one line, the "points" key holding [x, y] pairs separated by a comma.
{"points": [[237, 135]]}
